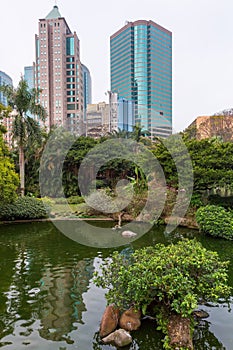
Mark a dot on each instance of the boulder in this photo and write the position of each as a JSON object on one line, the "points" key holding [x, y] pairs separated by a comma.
{"points": [[109, 320], [130, 319], [200, 314], [119, 338], [128, 234]]}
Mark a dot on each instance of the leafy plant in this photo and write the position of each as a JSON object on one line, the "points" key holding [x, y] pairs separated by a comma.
{"points": [[168, 279], [24, 208], [216, 221]]}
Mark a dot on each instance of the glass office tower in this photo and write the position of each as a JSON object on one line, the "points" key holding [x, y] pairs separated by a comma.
{"points": [[4, 80], [141, 71]]}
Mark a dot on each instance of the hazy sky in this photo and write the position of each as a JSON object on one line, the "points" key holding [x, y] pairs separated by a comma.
{"points": [[202, 44]]}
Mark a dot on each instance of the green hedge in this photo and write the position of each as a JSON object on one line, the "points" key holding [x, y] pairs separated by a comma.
{"points": [[24, 208], [69, 200], [216, 221]]}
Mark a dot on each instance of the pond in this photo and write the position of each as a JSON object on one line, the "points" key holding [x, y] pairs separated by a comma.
{"points": [[48, 300]]}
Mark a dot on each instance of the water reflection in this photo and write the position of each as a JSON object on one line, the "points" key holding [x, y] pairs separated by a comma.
{"points": [[63, 303], [48, 300], [204, 339]]}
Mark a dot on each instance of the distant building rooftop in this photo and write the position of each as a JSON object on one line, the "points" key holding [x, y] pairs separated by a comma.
{"points": [[54, 13]]}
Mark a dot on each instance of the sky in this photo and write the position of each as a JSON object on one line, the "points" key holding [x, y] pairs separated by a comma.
{"points": [[202, 45]]}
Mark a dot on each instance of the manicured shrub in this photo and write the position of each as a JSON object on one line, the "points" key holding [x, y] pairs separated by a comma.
{"points": [[76, 200], [24, 208], [216, 221], [168, 279]]}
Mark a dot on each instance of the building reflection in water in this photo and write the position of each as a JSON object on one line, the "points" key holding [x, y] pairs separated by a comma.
{"points": [[62, 289]]}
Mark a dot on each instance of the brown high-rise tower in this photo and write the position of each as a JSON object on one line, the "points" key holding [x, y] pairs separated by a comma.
{"points": [[58, 72]]}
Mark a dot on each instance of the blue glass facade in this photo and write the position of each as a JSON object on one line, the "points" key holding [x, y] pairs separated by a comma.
{"points": [[141, 71], [4, 80], [125, 110], [29, 76], [87, 87]]}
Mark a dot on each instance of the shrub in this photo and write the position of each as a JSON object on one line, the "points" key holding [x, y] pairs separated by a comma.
{"points": [[215, 221], [69, 200], [171, 278], [24, 208], [76, 200]]}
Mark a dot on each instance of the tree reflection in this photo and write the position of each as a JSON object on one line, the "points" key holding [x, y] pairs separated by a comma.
{"points": [[204, 339]]}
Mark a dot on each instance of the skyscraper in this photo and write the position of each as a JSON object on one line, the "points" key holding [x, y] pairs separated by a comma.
{"points": [[4, 80], [141, 72], [87, 86], [29, 76], [58, 72]]}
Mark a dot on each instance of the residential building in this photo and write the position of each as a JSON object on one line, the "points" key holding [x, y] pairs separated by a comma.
{"points": [[97, 119], [141, 72], [217, 125], [58, 72]]}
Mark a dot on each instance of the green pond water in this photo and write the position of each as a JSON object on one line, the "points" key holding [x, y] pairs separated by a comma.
{"points": [[48, 300]]}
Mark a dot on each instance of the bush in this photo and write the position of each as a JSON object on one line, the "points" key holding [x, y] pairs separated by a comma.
{"points": [[76, 200], [216, 221], [69, 200], [171, 278], [177, 276], [24, 208]]}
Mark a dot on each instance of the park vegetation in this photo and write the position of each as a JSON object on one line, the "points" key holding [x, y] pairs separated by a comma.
{"points": [[161, 280], [167, 282]]}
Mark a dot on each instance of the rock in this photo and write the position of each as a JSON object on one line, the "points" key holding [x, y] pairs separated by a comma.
{"points": [[130, 319], [109, 320], [200, 314], [119, 338], [128, 234]]}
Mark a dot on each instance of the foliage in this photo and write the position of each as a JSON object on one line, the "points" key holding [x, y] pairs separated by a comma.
{"points": [[24, 208], [211, 160], [24, 127], [9, 180], [171, 278], [216, 199], [70, 200], [216, 221]]}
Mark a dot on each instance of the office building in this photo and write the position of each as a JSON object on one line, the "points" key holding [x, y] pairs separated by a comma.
{"points": [[58, 72], [7, 122], [4, 80], [87, 86], [141, 72], [29, 76]]}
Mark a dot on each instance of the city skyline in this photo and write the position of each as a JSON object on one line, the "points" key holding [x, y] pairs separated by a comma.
{"points": [[203, 54]]}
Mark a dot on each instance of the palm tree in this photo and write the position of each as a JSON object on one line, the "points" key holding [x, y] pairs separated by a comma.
{"points": [[118, 134], [138, 132], [24, 128]]}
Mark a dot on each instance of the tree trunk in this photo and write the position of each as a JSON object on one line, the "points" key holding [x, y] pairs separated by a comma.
{"points": [[179, 333], [21, 170]]}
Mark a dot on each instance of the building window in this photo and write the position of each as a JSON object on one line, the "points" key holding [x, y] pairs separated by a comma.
{"points": [[70, 46]]}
